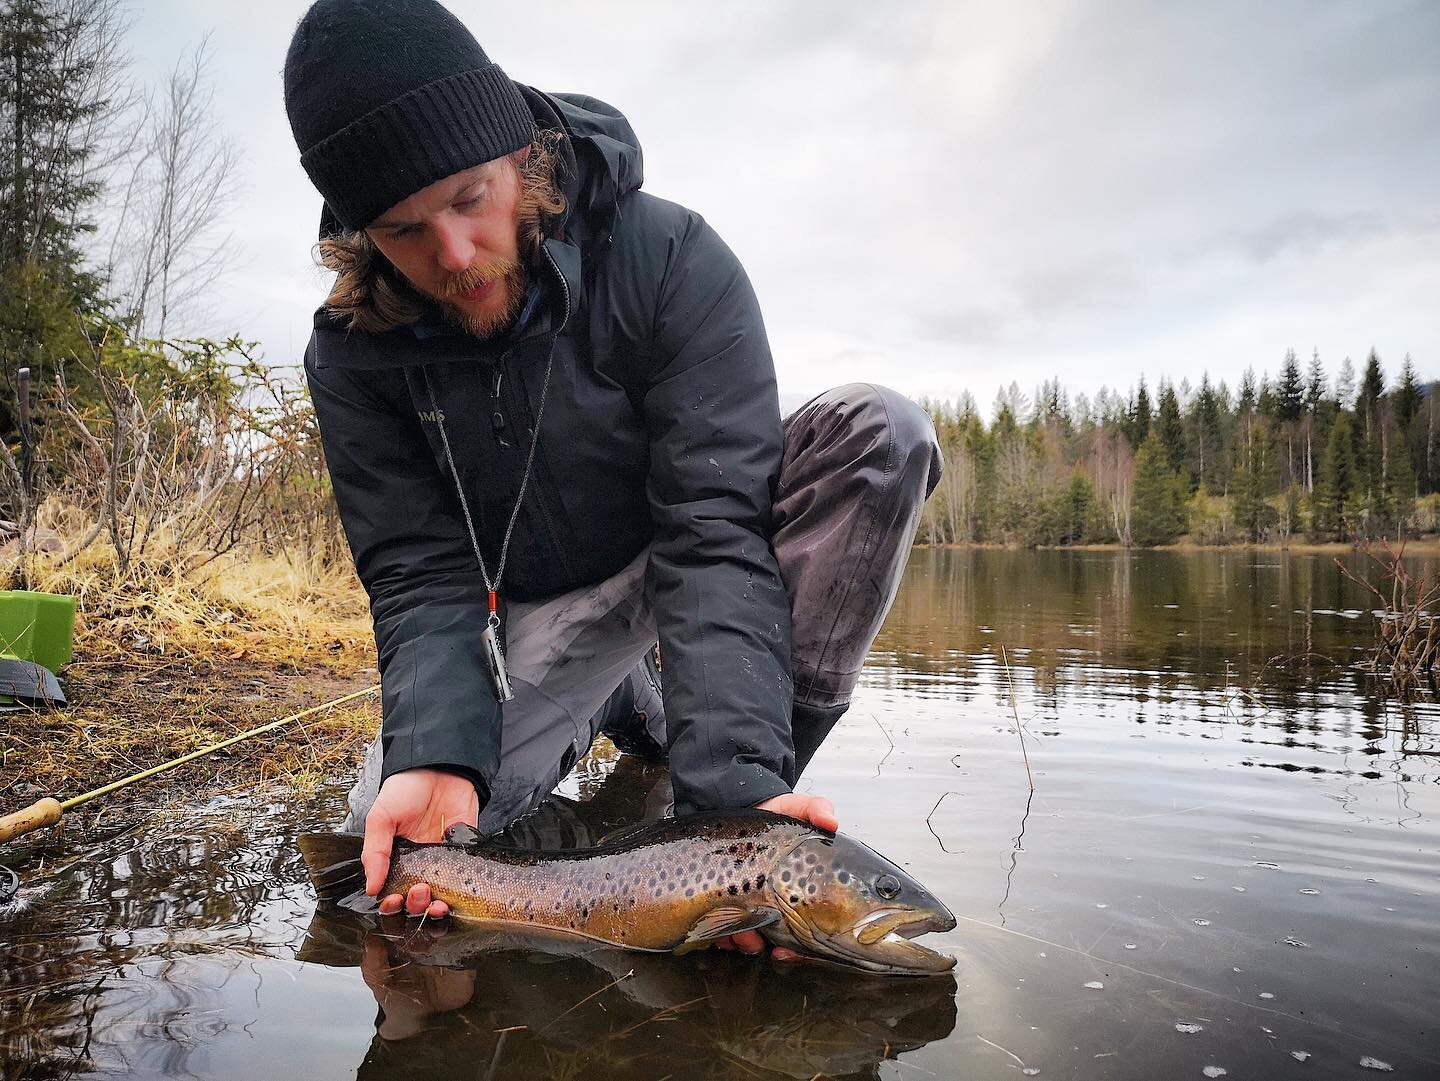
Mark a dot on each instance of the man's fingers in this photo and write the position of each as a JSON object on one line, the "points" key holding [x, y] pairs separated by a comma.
{"points": [[417, 900], [748, 942], [822, 814], [391, 904], [375, 853]]}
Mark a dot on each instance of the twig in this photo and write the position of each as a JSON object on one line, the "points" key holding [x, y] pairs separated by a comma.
{"points": [[932, 815], [992, 1043], [587, 998], [1015, 711], [887, 740]]}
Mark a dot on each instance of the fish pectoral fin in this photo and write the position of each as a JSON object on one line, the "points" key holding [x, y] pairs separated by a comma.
{"points": [[462, 833], [729, 919]]}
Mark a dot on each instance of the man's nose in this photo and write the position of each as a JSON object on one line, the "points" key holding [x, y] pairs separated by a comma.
{"points": [[455, 252]]}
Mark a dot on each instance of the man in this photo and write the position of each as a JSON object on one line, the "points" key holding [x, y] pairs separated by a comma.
{"points": [[549, 413]]}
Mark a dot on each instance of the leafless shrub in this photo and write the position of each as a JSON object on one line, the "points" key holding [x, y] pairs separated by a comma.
{"points": [[177, 453], [1407, 652]]}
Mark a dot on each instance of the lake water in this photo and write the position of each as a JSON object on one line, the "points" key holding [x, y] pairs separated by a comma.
{"points": [[1229, 866]]}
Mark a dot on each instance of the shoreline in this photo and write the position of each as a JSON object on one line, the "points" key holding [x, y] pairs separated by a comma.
{"points": [[1428, 545]]}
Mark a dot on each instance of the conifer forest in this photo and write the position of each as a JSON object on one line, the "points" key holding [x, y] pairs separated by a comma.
{"points": [[1304, 455]]}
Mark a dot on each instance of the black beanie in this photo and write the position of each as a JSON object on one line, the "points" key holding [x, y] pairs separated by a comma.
{"points": [[388, 96]]}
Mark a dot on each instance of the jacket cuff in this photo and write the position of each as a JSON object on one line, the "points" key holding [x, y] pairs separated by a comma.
{"points": [[389, 768], [738, 784]]}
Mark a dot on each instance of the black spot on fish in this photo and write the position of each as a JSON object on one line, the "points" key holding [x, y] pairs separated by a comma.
{"points": [[733, 891], [759, 881], [794, 898], [843, 877], [784, 876], [745, 885]]}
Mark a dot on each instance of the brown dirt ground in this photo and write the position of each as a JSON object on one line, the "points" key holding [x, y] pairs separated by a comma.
{"points": [[130, 712]]}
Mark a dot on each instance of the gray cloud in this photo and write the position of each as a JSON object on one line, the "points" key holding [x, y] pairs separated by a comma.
{"points": [[950, 195]]}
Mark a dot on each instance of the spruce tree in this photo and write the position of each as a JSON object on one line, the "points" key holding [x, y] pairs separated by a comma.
{"points": [[1314, 401], [1289, 390], [55, 82], [1158, 510], [1171, 428], [1207, 432], [1367, 403], [1409, 437], [1345, 384], [1335, 490], [1315, 383], [1370, 449], [1407, 394], [1138, 426]]}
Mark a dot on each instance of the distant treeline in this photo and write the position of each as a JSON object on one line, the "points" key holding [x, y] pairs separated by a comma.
{"points": [[1297, 456]]}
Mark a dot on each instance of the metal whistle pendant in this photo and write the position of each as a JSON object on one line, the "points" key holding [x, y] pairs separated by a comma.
{"points": [[495, 662]]}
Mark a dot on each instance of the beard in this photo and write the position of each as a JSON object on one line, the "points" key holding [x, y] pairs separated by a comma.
{"points": [[502, 306]]}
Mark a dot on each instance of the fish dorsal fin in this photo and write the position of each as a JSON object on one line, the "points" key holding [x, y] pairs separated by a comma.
{"points": [[462, 833], [621, 834], [727, 920]]}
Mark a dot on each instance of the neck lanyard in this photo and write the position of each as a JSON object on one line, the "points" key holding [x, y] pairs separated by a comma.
{"points": [[490, 643]]}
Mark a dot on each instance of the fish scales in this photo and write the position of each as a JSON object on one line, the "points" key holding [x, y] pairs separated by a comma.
{"points": [[645, 895]]}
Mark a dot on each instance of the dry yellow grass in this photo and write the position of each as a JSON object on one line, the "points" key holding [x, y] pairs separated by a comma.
{"points": [[169, 660]]}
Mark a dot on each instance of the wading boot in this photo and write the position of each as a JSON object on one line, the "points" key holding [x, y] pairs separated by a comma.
{"points": [[634, 716]]}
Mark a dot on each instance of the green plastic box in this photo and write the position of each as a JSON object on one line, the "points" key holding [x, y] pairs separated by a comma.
{"points": [[37, 627]]}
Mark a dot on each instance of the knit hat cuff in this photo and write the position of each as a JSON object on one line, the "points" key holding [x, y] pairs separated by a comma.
{"points": [[429, 133]]}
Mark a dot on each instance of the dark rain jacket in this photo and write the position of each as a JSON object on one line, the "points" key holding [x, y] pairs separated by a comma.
{"points": [[661, 427]]}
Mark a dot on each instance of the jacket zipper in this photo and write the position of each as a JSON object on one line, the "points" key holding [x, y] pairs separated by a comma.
{"points": [[540, 495]]}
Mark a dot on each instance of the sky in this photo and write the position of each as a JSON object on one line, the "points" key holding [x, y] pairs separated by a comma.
{"points": [[947, 197]]}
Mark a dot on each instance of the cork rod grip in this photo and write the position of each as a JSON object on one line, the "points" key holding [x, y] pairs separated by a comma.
{"points": [[41, 813]]}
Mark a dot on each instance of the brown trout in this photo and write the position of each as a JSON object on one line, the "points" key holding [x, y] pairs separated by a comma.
{"points": [[672, 886]]}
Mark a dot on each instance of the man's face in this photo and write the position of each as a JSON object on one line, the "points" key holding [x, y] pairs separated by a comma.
{"points": [[456, 242]]}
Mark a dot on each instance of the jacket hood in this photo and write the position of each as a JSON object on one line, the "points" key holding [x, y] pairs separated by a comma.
{"points": [[604, 160]]}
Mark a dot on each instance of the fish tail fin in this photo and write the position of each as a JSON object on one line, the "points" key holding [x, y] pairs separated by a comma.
{"points": [[333, 860]]}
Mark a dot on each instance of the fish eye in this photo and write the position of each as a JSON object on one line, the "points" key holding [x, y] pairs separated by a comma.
{"points": [[888, 887]]}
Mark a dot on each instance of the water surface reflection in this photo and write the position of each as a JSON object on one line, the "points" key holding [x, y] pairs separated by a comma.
{"points": [[1230, 862]]}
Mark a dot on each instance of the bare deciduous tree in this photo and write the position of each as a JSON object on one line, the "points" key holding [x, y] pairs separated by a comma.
{"points": [[166, 248]]}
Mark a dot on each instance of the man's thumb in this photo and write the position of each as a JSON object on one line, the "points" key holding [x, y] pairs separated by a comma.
{"points": [[375, 858]]}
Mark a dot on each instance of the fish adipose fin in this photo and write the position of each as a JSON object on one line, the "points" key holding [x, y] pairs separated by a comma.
{"points": [[727, 920], [333, 860]]}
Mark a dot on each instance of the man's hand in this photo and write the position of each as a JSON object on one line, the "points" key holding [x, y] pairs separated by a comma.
{"points": [[410, 994], [818, 811], [418, 804]]}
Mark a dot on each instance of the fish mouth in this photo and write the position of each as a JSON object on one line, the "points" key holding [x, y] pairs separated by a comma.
{"points": [[882, 941]]}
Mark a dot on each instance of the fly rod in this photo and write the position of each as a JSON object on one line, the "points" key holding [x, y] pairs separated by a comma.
{"points": [[47, 811]]}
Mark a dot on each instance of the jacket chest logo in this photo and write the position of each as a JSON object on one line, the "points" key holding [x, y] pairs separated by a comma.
{"points": [[432, 416]]}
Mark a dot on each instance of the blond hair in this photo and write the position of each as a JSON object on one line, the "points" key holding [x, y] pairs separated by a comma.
{"points": [[369, 294]]}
